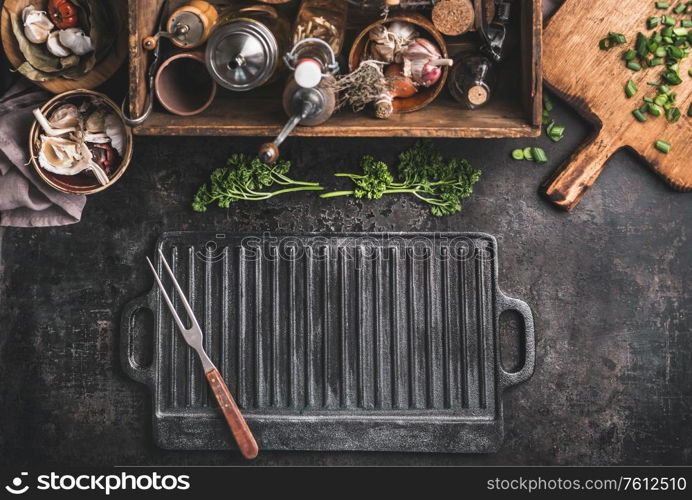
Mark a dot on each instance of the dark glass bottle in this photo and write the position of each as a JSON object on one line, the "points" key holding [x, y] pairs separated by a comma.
{"points": [[472, 80]]}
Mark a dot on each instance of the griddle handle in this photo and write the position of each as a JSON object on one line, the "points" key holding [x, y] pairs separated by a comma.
{"points": [[142, 374], [509, 379]]}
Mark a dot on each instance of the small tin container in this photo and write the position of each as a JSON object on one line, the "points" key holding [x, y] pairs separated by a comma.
{"points": [[244, 50]]}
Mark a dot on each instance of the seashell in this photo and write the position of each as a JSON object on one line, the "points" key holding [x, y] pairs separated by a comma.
{"points": [[55, 47], [37, 25], [76, 40]]}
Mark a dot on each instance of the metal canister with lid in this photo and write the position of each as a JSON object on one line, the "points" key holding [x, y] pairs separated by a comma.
{"points": [[244, 50]]}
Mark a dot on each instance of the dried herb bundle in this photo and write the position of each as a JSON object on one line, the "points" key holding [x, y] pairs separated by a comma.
{"points": [[362, 86]]}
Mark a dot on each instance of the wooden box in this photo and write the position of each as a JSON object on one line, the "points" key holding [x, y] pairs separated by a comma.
{"points": [[515, 110]]}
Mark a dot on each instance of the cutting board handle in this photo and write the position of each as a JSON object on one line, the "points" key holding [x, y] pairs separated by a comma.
{"points": [[570, 182], [142, 374], [509, 379]]}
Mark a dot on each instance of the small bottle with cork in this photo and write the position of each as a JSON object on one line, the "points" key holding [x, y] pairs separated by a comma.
{"points": [[473, 78]]}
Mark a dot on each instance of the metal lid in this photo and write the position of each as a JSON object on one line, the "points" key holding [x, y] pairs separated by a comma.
{"points": [[242, 55]]}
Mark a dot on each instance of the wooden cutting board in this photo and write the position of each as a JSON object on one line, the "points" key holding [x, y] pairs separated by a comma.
{"points": [[593, 81]]}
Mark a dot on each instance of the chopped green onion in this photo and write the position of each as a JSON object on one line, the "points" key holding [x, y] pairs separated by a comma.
{"points": [[680, 32], [631, 89], [617, 38], [668, 21], [686, 23], [662, 5], [661, 52], [539, 155], [546, 117], [634, 66], [557, 133], [518, 154], [680, 8], [652, 22], [655, 109], [528, 155], [661, 99], [664, 89], [673, 115], [675, 52], [629, 55], [672, 77], [547, 103], [656, 61], [663, 146], [639, 115], [642, 45]]}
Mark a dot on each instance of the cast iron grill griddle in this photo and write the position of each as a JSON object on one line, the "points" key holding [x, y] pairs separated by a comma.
{"points": [[334, 342]]}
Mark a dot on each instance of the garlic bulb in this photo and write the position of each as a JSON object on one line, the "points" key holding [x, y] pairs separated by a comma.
{"points": [[423, 62], [48, 128], [96, 121], [66, 157], [37, 25], [66, 116], [116, 131], [55, 47], [96, 137], [58, 155], [75, 40], [388, 42]]}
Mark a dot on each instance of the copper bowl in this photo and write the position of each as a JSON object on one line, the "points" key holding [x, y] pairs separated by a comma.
{"points": [[426, 30], [80, 183]]}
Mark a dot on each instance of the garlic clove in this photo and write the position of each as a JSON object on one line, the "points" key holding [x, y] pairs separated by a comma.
{"points": [[55, 47], [37, 25], [76, 40]]}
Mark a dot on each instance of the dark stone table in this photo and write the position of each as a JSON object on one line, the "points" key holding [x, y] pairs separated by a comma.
{"points": [[609, 285]]}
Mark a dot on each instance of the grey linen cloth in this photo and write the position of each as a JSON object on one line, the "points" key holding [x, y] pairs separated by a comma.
{"points": [[25, 199]]}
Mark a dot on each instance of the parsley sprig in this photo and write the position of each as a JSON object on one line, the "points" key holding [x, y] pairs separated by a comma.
{"points": [[249, 179], [422, 172]]}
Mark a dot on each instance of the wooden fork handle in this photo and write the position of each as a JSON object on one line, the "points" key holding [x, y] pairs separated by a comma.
{"points": [[241, 432]]}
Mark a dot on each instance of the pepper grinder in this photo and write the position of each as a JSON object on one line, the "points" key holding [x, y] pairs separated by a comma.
{"points": [[309, 97], [188, 27], [309, 106]]}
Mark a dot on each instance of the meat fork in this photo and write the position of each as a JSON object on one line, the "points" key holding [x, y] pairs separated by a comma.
{"points": [[193, 336]]}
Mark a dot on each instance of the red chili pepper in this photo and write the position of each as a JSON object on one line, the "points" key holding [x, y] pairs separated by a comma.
{"points": [[63, 13]]}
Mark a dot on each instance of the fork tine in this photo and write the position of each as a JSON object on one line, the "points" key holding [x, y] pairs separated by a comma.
{"points": [[167, 298], [183, 299]]}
